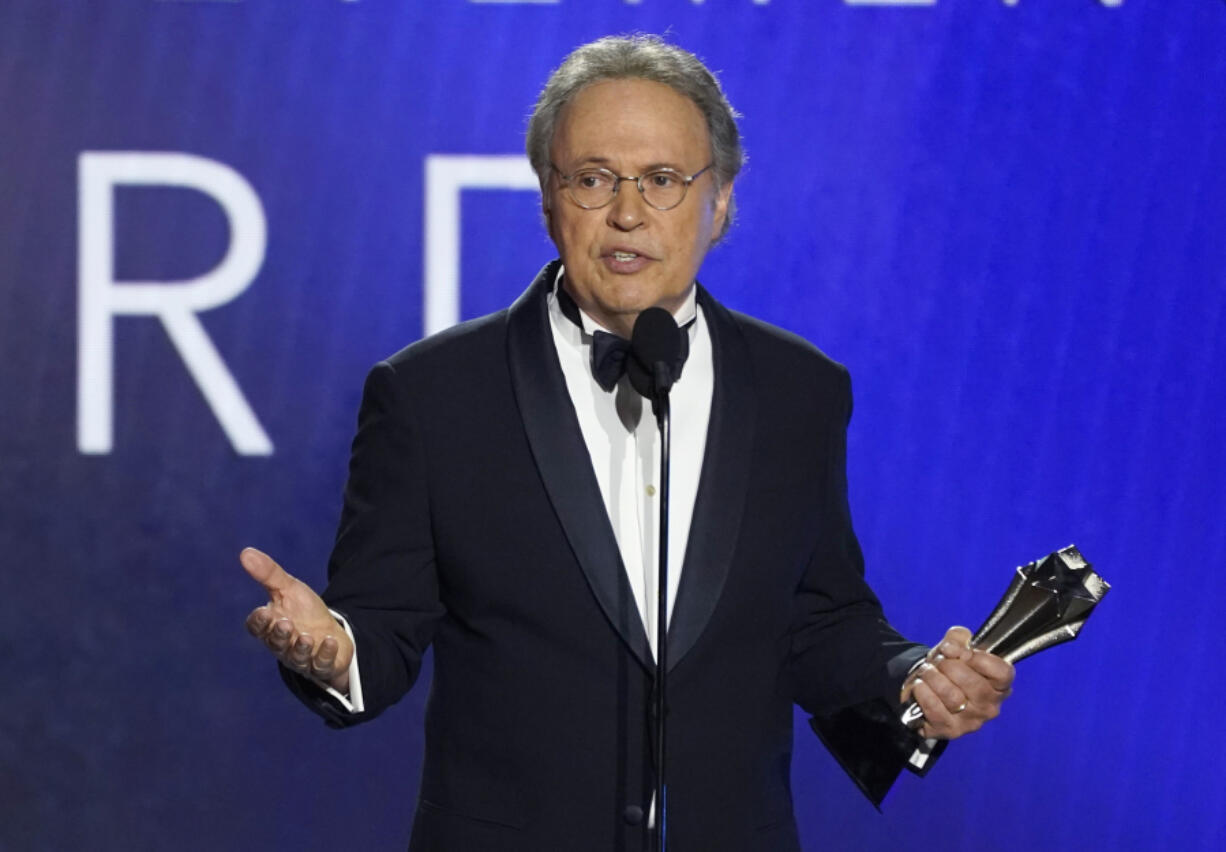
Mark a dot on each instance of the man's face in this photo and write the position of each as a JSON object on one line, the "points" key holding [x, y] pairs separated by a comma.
{"points": [[628, 256]]}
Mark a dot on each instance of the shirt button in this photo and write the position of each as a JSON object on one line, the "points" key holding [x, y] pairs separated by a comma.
{"points": [[651, 491], [633, 814]]}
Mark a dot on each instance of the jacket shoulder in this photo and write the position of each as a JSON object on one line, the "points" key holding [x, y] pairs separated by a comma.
{"points": [[470, 345], [778, 352], [455, 344]]}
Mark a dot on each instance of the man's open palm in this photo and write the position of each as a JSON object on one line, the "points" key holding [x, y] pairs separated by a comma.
{"points": [[296, 625]]}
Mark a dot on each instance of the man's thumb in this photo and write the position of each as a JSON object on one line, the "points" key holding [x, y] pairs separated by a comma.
{"points": [[264, 570]]}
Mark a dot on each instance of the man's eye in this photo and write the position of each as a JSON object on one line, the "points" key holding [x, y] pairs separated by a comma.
{"points": [[663, 180], [591, 180]]}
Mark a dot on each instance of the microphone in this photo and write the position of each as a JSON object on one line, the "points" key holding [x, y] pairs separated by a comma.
{"points": [[655, 349]]}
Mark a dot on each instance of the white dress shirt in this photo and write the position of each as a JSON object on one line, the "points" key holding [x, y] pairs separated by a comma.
{"points": [[623, 442]]}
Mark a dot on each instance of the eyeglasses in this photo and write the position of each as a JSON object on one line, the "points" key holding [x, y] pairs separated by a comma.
{"points": [[592, 189]]}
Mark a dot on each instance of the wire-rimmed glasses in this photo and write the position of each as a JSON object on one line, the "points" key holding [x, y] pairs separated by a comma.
{"points": [[593, 188]]}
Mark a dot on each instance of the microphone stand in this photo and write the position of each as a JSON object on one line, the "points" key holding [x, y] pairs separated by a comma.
{"points": [[655, 347], [661, 408]]}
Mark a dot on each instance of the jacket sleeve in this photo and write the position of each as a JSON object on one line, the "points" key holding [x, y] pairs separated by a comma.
{"points": [[847, 663], [382, 575]]}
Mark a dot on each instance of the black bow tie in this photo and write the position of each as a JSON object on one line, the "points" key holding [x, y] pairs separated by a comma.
{"points": [[610, 352]]}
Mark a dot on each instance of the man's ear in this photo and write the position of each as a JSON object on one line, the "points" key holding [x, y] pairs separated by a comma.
{"points": [[720, 210], [546, 210], [547, 215]]}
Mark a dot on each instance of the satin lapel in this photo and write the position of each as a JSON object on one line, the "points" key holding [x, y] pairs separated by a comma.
{"points": [[722, 485], [563, 461]]}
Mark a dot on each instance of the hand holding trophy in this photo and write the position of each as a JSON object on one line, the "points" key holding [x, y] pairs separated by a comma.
{"points": [[1047, 602]]}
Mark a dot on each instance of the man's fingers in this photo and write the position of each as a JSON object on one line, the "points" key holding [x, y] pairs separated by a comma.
{"points": [[950, 694], [265, 571], [998, 672], [979, 691], [955, 645], [259, 621], [939, 721], [323, 664], [279, 635], [300, 652], [959, 634]]}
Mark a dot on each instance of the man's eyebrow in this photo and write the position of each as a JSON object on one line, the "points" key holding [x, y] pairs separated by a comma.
{"points": [[605, 162], [663, 165], [592, 161]]}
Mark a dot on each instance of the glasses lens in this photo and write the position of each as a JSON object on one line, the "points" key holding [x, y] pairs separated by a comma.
{"points": [[592, 187], [663, 188]]}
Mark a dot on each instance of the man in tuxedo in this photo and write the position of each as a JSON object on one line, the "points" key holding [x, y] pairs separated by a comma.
{"points": [[501, 507]]}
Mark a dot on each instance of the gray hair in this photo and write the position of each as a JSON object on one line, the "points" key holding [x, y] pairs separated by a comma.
{"points": [[646, 57]]}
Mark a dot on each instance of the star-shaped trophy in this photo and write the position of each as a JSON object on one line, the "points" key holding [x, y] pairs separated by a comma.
{"points": [[1047, 603]]}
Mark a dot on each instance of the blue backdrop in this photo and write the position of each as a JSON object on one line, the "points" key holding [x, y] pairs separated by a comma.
{"points": [[1005, 217]]}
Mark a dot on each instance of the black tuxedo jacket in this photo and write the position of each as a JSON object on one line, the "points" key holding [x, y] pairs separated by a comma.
{"points": [[473, 522]]}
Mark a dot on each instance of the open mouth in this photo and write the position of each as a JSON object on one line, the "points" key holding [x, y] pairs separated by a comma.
{"points": [[625, 261]]}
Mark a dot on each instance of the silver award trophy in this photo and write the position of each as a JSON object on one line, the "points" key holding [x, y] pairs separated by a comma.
{"points": [[1047, 603]]}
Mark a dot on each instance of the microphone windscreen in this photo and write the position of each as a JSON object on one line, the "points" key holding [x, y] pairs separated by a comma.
{"points": [[656, 339]]}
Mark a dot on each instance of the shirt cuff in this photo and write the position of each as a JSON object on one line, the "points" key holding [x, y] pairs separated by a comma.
{"points": [[353, 701]]}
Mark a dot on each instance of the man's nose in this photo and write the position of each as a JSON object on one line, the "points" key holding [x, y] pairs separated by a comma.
{"points": [[628, 207]]}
